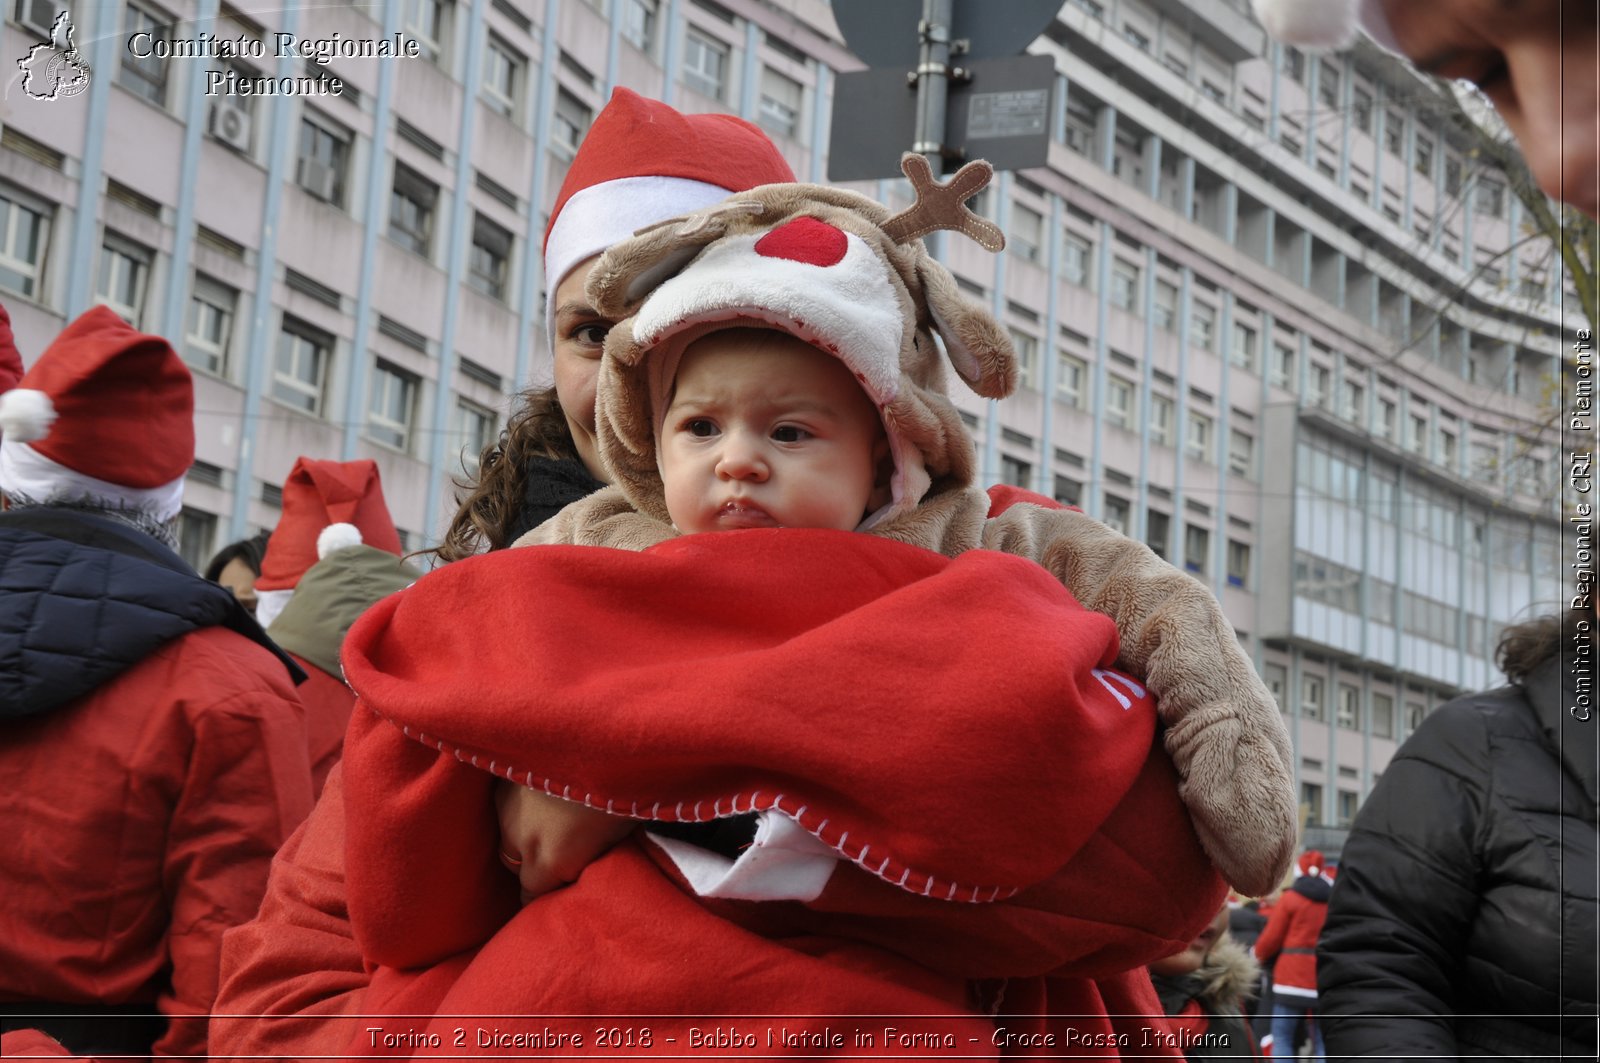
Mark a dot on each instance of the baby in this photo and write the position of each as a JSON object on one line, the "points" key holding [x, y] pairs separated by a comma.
{"points": [[776, 365]]}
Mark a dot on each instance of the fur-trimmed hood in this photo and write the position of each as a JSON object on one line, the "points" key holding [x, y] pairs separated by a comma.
{"points": [[1228, 977], [833, 268]]}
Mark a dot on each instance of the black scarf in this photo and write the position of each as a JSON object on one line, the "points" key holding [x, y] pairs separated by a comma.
{"points": [[553, 484]]}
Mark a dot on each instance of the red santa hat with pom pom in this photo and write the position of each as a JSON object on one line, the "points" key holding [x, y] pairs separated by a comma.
{"points": [[1325, 24], [107, 414], [643, 162], [327, 505]]}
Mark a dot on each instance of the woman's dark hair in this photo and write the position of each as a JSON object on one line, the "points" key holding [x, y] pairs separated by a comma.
{"points": [[487, 510], [1525, 646], [250, 551]]}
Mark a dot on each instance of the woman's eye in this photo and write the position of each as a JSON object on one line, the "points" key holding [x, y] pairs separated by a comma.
{"points": [[700, 427], [592, 333], [789, 433]]}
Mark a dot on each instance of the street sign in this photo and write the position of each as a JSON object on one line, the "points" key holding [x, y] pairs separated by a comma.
{"points": [[884, 32], [1001, 114]]}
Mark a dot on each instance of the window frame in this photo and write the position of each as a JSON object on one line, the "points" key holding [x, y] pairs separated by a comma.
{"points": [[380, 426], [149, 78], [115, 248], [289, 388], [410, 190], [41, 221], [699, 45], [223, 299]]}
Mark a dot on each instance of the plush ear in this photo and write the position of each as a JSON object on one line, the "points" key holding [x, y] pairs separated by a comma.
{"points": [[632, 269], [977, 346]]}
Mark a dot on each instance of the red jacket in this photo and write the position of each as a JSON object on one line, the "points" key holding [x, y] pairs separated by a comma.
{"points": [[1290, 936], [140, 822], [328, 703]]}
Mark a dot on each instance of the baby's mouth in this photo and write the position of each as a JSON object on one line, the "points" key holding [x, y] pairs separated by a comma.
{"points": [[738, 513]]}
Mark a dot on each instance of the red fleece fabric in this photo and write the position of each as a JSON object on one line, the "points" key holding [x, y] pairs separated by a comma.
{"points": [[998, 799]]}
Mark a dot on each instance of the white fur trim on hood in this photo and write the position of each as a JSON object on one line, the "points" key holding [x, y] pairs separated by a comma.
{"points": [[24, 471], [269, 604]]}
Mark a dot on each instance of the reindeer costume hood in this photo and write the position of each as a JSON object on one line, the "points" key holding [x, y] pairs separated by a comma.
{"points": [[832, 268], [836, 270]]}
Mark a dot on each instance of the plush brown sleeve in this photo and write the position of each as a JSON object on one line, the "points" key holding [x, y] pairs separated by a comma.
{"points": [[1223, 729], [605, 518]]}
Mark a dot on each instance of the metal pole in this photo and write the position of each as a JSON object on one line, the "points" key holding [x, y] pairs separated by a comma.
{"points": [[933, 85]]}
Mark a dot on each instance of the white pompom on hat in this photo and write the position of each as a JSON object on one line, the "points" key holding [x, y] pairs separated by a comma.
{"points": [[336, 537], [1324, 24], [26, 414]]}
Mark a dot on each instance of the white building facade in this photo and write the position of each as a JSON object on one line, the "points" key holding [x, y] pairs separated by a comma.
{"points": [[1273, 320]]}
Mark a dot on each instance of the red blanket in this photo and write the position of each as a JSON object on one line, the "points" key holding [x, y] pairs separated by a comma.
{"points": [[1008, 831]]}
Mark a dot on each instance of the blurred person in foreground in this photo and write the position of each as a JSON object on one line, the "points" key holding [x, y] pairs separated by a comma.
{"points": [[152, 744], [1464, 921], [1205, 991]]}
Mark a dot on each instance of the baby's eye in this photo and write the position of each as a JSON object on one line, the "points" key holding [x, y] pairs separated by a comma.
{"points": [[789, 433], [591, 333], [701, 427]]}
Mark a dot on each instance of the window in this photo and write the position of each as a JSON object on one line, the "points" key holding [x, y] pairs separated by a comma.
{"points": [[1117, 513], [1452, 175], [1027, 229], [1158, 531], [1415, 711], [1076, 253], [1197, 438], [1125, 285], [572, 122], [1027, 349], [1196, 548], [124, 277], [475, 429], [1311, 697], [639, 23], [411, 207], [1491, 197], [1422, 156], [301, 370], [1447, 449], [212, 306], [1241, 454], [504, 69], [324, 159], [1347, 807], [1244, 347], [24, 236], [1311, 801], [1015, 471], [491, 251], [1283, 359], [1070, 376], [1349, 716], [1238, 564], [1361, 109], [1417, 435], [146, 77], [1388, 415], [425, 22], [1294, 64], [705, 64], [780, 103], [197, 530], [1161, 420], [1277, 677], [1202, 325], [1135, 38], [1166, 306], [1068, 492], [391, 405], [1328, 83], [1382, 716], [1119, 402], [1354, 402], [1394, 132], [1319, 390]]}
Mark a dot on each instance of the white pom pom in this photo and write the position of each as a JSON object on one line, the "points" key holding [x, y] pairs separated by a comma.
{"points": [[1311, 23], [26, 414], [335, 537]]}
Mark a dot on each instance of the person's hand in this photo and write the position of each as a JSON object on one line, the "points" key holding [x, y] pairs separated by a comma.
{"points": [[546, 841]]}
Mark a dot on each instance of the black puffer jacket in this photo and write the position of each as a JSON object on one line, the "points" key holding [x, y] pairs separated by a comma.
{"points": [[1463, 920]]}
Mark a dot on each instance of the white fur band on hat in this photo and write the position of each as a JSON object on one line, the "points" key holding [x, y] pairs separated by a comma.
{"points": [[603, 214], [1326, 24], [24, 471]]}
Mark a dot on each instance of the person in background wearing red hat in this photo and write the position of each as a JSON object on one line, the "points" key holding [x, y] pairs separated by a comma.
{"points": [[641, 162], [1534, 60], [1289, 943], [334, 552], [152, 746]]}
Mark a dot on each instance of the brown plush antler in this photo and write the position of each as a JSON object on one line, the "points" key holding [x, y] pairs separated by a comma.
{"points": [[944, 206]]}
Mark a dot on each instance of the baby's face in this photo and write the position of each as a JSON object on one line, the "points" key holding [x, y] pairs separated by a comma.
{"points": [[764, 431]]}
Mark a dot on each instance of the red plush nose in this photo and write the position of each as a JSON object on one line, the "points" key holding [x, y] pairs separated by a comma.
{"points": [[804, 240]]}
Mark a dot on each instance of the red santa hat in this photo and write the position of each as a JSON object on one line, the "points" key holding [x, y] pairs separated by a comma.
{"points": [[10, 357], [1325, 24], [1311, 862], [326, 505], [106, 413], [643, 162]]}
